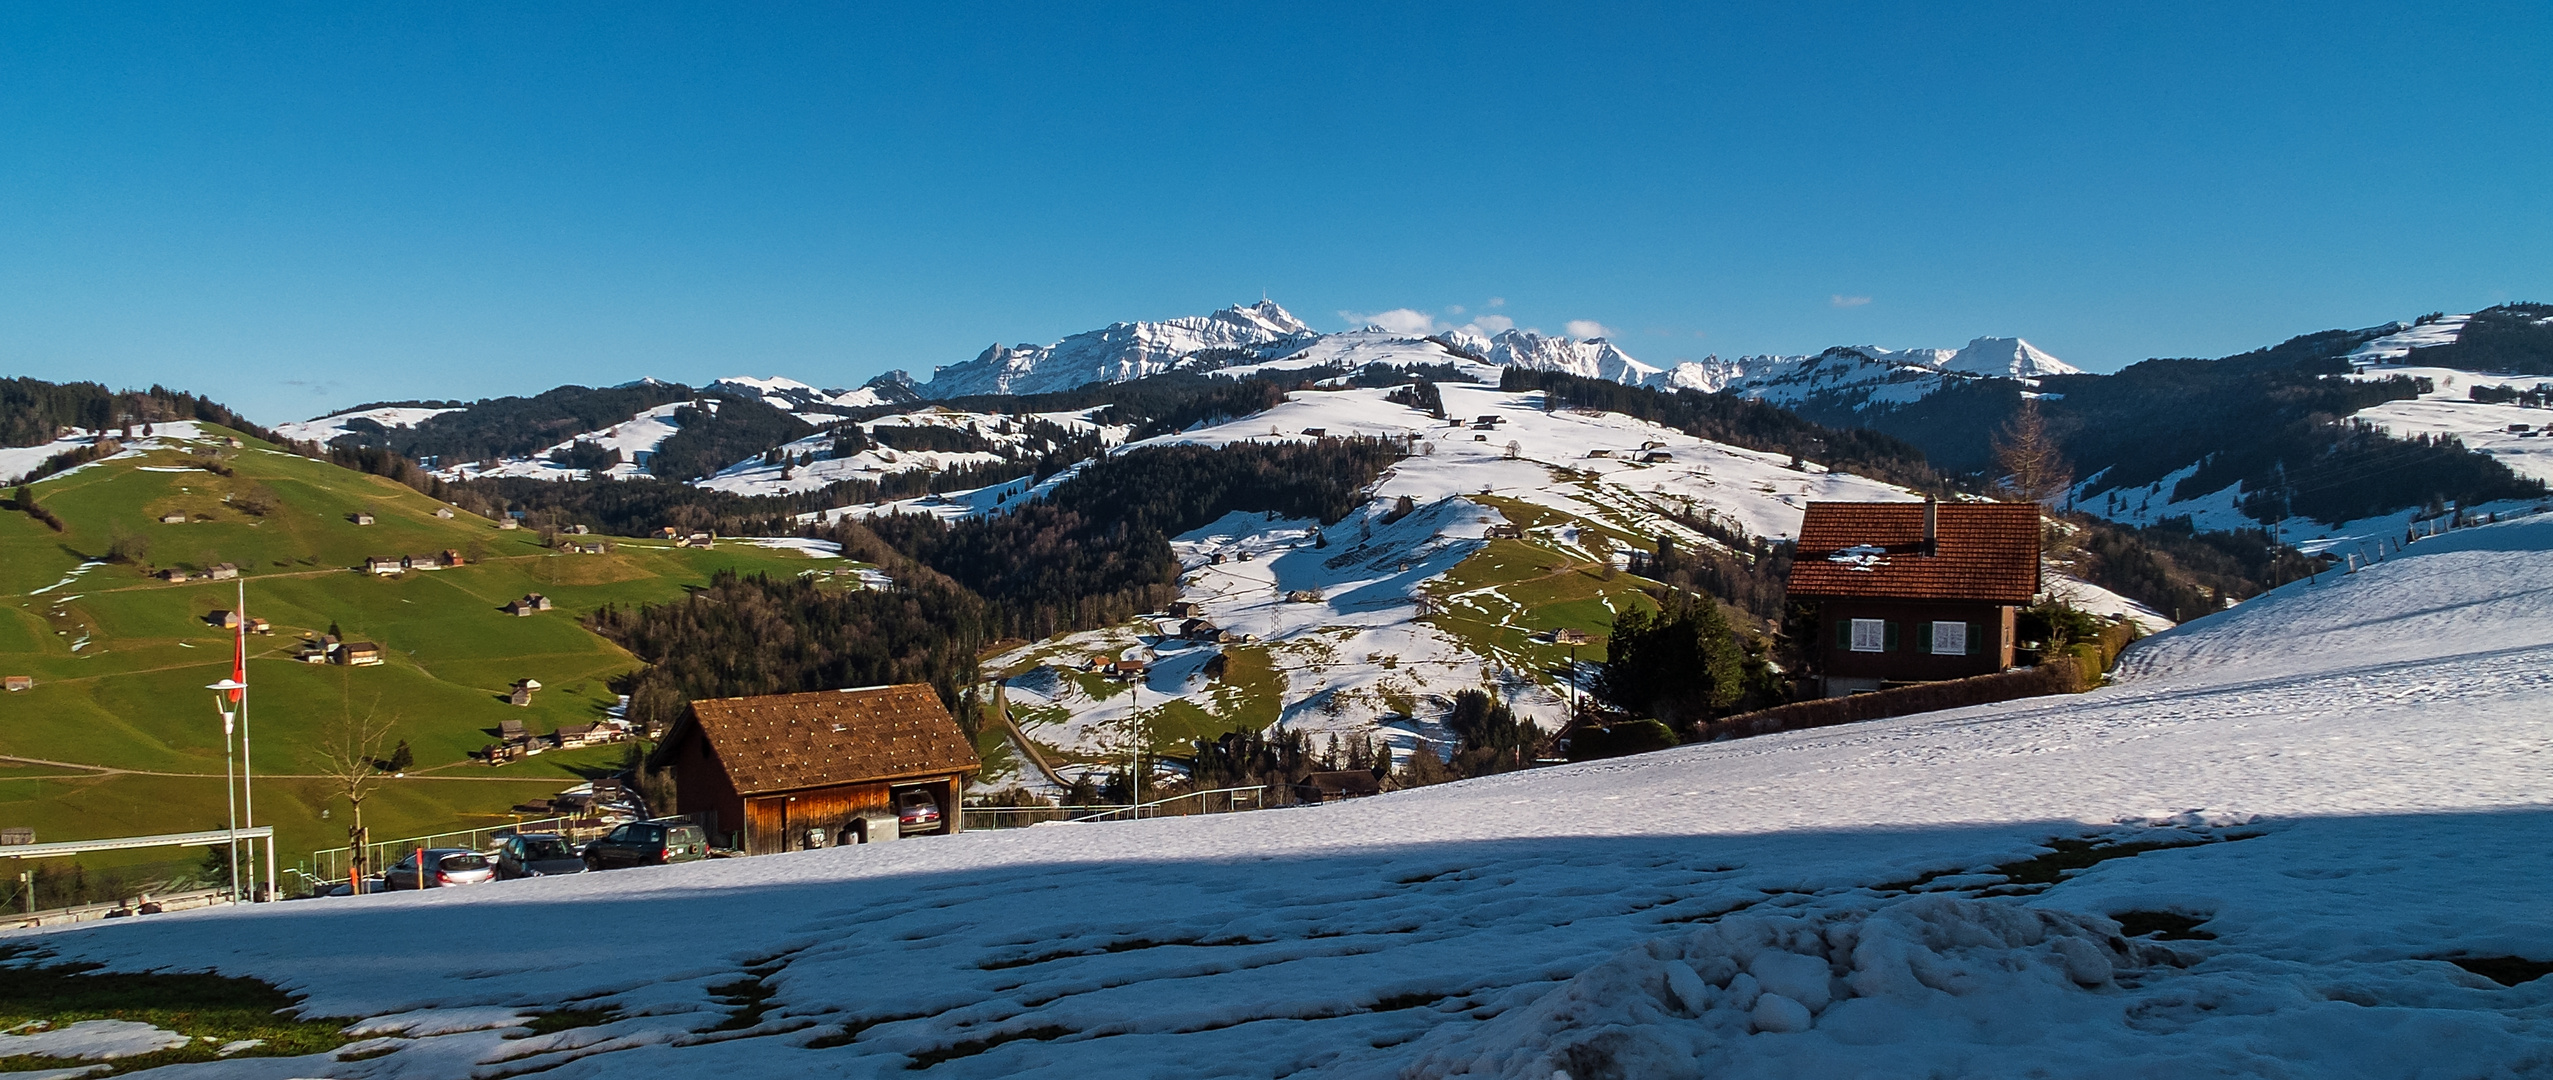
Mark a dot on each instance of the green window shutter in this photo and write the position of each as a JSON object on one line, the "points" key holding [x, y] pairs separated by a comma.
{"points": [[1843, 635], [1975, 631], [1888, 636]]}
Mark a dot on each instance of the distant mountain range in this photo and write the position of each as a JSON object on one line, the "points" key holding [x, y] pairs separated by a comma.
{"points": [[2276, 432], [1264, 334]]}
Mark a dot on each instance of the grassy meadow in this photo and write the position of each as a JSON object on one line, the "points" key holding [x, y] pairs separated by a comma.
{"points": [[120, 658]]}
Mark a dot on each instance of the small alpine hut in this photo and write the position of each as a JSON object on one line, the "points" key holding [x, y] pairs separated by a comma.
{"points": [[1914, 592], [780, 772]]}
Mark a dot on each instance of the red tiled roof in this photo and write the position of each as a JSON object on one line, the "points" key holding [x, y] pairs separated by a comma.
{"points": [[1985, 551], [784, 742]]}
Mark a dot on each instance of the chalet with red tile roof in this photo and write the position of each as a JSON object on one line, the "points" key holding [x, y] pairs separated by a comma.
{"points": [[1915, 592], [780, 772]]}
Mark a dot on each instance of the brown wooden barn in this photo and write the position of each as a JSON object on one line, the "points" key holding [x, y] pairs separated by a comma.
{"points": [[782, 772], [1914, 592]]}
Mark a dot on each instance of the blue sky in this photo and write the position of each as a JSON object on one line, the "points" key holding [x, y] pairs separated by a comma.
{"points": [[299, 208]]}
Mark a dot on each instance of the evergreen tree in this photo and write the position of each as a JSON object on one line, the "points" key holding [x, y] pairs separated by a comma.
{"points": [[1681, 665]]}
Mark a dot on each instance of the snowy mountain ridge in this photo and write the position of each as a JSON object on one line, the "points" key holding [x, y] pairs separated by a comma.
{"points": [[1259, 335]]}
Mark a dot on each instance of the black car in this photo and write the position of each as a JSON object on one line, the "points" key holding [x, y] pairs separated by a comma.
{"points": [[523, 855], [648, 843]]}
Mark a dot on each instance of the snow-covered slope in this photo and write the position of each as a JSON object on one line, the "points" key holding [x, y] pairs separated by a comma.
{"points": [[2449, 409], [334, 424], [636, 438], [2343, 784], [810, 404], [1011, 436], [1365, 628]]}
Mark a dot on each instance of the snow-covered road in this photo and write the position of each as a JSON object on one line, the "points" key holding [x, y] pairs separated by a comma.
{"points": [[2355, 774]]}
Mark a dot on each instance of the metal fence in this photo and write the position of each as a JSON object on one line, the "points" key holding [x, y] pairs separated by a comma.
{"points": [[1216, 801], [330, 865]]}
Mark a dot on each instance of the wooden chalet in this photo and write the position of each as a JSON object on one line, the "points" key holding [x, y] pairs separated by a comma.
{"points": [[786, 771], [529, 603], [222, 571], [359, 654], [1914, 592], [15, 683], [522, 692], [227, 620], [383, 565]]}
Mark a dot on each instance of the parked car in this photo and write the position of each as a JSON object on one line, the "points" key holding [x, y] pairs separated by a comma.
{"points": [[445, 866], [523, 855], [371, 885], [648, 843], [917, 811]]}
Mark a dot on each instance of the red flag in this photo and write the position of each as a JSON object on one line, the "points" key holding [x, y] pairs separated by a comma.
{"points": [[239, 649]]}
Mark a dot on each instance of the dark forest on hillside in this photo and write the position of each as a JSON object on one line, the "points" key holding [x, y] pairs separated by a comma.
{"points": [[506, 427], [33, 412], [2515, 339], [1096, 549]]}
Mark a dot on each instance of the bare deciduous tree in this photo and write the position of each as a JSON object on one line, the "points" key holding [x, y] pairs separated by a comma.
{"points": [[351, 751], [2026, 453]]}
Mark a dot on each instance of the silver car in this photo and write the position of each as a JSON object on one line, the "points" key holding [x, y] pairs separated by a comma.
{"points": [[445, 866]]}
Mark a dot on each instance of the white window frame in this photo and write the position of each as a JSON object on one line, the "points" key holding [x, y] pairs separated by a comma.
{"points": [[1950, 638], [1870, 635]]}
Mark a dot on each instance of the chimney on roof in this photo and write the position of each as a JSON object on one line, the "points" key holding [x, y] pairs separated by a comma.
{"points": [[1932, 525]]}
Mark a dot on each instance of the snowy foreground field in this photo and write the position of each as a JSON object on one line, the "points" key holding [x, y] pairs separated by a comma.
{"points": [[2341, 784]]}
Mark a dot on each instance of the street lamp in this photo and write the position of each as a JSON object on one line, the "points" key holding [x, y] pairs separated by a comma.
{"points": [[230, 784]]}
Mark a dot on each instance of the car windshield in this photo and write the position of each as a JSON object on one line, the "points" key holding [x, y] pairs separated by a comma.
{"points": [[451, 863], [546, 849]]}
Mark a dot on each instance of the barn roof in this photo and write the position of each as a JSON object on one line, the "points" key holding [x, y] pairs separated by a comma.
{"points": [[1984, 552], [785, 742]]}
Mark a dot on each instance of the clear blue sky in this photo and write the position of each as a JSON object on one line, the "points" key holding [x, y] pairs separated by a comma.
{"points": [[299, 208]]}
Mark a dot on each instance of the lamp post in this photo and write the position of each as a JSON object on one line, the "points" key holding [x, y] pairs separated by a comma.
{"points": [[230, 784]]}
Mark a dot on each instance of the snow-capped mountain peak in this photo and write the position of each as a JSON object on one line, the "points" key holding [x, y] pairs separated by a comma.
{"points": [[2006, 358]]}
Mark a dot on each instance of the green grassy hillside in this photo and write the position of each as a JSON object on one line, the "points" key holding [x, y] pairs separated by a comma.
{"points": [[120, 658]]}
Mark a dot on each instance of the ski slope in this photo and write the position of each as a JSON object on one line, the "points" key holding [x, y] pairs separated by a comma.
{"points": [[2354, 773]]}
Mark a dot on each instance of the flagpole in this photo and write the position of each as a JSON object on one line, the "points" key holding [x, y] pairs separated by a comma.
{"points": [[247, 760], [230, 788]]}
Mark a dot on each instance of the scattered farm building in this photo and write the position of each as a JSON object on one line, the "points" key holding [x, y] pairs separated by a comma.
{"points": [[784, 771], [1915, 592]]}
